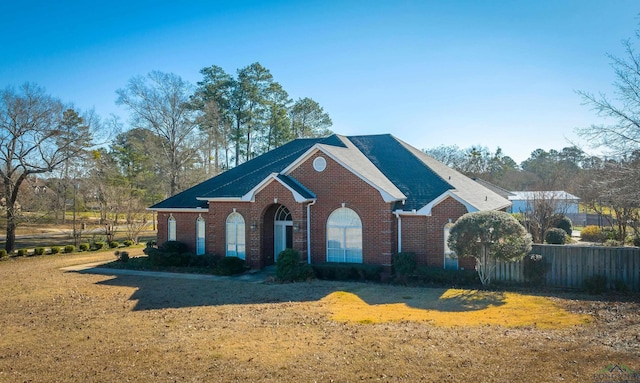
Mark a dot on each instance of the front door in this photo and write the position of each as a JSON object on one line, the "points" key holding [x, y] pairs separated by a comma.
{"points": [[282, 231]]}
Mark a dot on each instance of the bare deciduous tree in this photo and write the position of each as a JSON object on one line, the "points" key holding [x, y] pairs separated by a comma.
{"points": [[160, 103], [32, 141]]}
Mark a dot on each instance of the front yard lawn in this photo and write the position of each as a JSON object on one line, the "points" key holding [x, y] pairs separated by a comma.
{"points": [[76, 327]]}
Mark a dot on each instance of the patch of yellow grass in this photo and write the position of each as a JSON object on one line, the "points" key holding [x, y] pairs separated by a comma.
{"points": [[452, 307]]}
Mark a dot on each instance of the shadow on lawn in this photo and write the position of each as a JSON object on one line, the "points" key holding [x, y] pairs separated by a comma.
{"points": [[157, 293]]}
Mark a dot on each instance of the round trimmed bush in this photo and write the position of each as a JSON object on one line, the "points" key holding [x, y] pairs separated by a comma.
{"points": [[404, 264], [84, 246], [114, 244], [591, 233], [563, 222], [22, 252], [3, 253], [69, 249], [290, 269], [555, 236], [55, 249], [38, 251], [127, 243], [99, 245]]}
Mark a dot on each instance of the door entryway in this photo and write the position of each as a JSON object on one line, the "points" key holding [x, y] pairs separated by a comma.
{"points": [[282, 231]]}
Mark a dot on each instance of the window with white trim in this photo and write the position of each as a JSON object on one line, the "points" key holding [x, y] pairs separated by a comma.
{"points": [[344, 236], [235, 236], [450, 258], [200, 235], [171, 228]]}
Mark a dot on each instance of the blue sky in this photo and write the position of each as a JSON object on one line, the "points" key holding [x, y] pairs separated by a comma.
{"points": [[492, 73]]}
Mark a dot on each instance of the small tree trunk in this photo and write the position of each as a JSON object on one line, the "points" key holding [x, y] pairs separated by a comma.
{"points": [[10, 241]]}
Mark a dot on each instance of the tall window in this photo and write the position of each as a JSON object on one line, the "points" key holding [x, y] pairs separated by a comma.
{"points": [[344, 236], [450, 259], [171, 227], [235, 236], [200, 230]]}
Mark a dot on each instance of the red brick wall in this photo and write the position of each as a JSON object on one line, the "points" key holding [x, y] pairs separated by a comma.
{"points": [[185, 228], [425, 235], [335, 186]]}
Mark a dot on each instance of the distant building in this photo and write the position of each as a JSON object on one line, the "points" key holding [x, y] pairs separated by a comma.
{"points": [[524, 201]]}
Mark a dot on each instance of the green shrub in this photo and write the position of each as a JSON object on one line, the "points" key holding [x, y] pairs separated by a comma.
{"points": [[209, 261], [114, 244], [174, 247], [230, 266], [563, 222], [404, 264], [3, 253], [535, 269], [441, 276], [69, 249], [38, 251], [608, 233], [555, 236], [161, 258], [55, 249], [151, 243], [127, 243], [591, 233], [636, 241], [122, 256], [595, 284], [347, 271], [84, 246], [22, 252], [613, 243], [99, 245], [290, 269]]}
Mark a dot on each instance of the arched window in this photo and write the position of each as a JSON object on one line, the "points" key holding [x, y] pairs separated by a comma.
{"points": [[344, 236], [235, 236], [200, 234], [450, 259], [171, 228]]}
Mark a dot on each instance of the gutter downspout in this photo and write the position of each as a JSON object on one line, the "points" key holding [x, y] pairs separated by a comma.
{"points": [[399, 232], [309, 230]]}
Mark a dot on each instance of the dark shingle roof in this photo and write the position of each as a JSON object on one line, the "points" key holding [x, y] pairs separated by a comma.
{"points": [[238, 181], [398, 170], [418, 182]]}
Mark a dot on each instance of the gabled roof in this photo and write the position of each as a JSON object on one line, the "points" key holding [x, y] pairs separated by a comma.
{"points": [[476, 197], [400, 172], [236, 182], [354, 160]]}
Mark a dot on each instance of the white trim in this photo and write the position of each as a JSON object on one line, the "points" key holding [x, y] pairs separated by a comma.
{"points": [[179, 210], [220, 199], [251, 195], [317, 147], [426, 210]]}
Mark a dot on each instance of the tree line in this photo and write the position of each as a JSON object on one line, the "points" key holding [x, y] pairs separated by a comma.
{"points": [[55, 157]]}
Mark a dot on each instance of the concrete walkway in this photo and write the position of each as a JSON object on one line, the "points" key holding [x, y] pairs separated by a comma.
{"points": [[252, 276]]}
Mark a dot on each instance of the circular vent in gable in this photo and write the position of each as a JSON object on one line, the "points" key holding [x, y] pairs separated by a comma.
{"points": [[319, 164]]}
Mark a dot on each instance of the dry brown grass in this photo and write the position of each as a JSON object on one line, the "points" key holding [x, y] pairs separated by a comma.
{"points": [[71, 327]]}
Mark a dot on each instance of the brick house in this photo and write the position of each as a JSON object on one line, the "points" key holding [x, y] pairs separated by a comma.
{"points": [[335, 199]]}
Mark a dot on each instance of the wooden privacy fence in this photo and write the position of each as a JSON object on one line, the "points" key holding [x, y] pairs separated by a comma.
{"points": [[569, 266]]}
